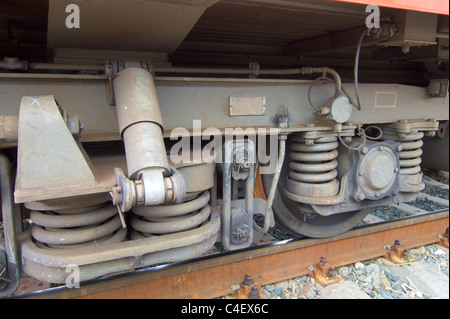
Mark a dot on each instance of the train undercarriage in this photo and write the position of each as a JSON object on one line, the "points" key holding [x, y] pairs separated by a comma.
{"points": [[202, 122]]}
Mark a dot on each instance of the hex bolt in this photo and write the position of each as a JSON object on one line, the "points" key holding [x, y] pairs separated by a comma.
{"points": [[241, 231], [364, 150], [406, 253], [332, 272], [397, 245], [254, 294], [323, 261], [248, 280]]}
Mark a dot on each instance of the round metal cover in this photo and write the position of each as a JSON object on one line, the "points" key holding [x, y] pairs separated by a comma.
{"points": [[377, 171]]}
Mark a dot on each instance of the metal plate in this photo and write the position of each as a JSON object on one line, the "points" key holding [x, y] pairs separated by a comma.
{"points": [[247, 105]]}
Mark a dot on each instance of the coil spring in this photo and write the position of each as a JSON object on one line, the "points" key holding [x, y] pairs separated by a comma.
{"points": [[77, 227], [313, 167], [410, 152], [171, 218]]}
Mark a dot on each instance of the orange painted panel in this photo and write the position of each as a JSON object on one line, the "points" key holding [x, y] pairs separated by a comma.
{"points": [[432, 6]]}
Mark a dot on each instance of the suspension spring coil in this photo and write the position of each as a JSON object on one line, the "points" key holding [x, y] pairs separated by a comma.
{"points": [[313, 166], [77, 227], [171, 218], [409, 155]]}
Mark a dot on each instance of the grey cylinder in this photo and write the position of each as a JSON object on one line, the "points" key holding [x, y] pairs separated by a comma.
{"points": [[140, 121]]}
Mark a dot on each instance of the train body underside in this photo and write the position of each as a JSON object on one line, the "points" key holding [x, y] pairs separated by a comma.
{"points": [[152, 130]]}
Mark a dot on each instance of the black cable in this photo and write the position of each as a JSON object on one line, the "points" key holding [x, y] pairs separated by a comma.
{"points": [[355, 71]]}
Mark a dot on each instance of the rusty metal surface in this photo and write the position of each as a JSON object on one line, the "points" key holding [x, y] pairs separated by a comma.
{"points": [[213, 277]]}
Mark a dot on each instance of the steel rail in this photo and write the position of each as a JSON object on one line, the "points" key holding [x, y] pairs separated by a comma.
{"points": [[212, 276]]}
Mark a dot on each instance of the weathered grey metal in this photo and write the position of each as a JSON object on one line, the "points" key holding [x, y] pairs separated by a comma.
{"points": [[9, 129], [77, 227], [140, 124], [313, 166], [184, 231], [48, 156], [11, 219], [237, 219], [94, 261], [164, 24], [269, 220], [207, 99], [377, 170], [247, 105], [172, 218], [434, 145], [136, 98], [373, 180]]}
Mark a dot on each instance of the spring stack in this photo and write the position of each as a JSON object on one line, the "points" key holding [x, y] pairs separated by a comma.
{"points": [[313, 166], [77, 227]]}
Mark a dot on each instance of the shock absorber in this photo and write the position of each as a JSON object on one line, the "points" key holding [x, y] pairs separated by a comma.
{"points": [[313, 166], [77, 227]]}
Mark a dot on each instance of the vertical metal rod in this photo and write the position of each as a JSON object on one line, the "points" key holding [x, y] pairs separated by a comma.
{"points": [[268, 214], [226, 199]]}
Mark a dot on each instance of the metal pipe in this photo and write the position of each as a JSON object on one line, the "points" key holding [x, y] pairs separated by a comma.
{"points": [[9, 129], [442, 35], [9, 214], [66, 67], [268, 213]]}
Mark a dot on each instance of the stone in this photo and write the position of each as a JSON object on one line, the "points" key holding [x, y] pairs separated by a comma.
{"points": [[344, 271], [343, 290], [372, 269], [385, 294], [235, 287], [365, 278], [426, 279], [359, 266]]}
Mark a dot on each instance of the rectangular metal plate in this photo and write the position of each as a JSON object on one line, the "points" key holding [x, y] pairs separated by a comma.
{"points": [[385, 99], [247, 105]]}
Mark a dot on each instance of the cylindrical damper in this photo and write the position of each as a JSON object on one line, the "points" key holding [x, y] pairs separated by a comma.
{"points": [[140, 122]]}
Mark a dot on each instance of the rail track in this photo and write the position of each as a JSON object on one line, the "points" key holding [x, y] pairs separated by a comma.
{"points": [[269, 259]]}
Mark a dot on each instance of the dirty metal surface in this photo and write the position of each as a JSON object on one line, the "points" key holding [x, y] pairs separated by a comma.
{"points": [[211, 277]]}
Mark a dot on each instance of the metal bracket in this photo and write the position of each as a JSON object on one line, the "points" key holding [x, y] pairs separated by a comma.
{"points": [[237, 220], [398, 254], [324, 273], [248, 289]]}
